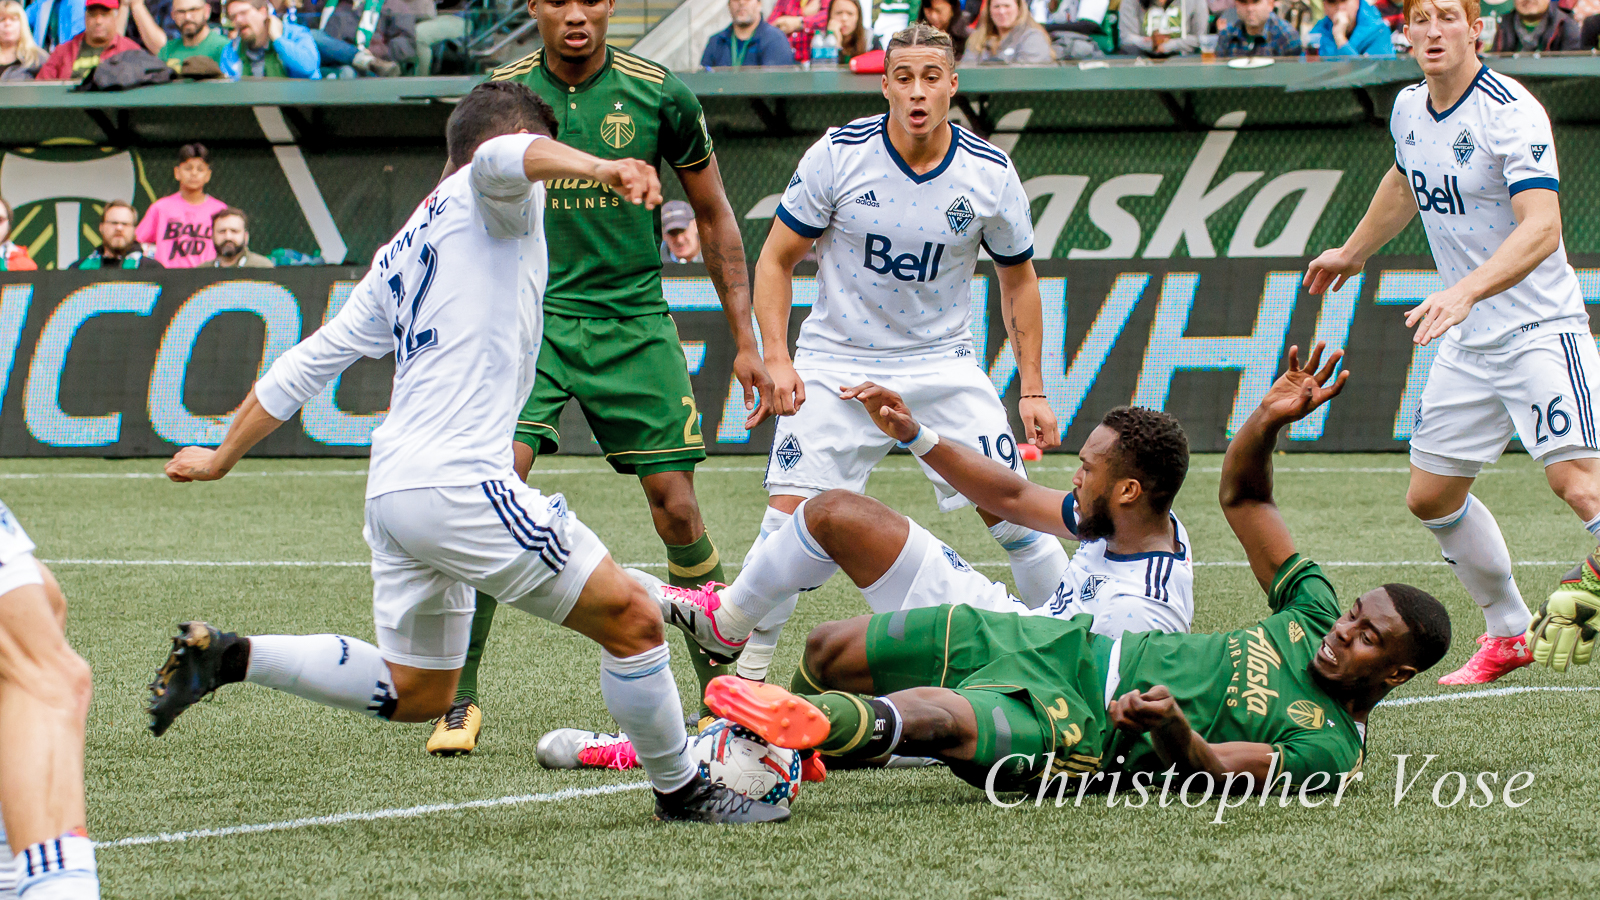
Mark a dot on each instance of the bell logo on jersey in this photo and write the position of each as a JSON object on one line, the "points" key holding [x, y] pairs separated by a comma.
{"points": [[906, 266], [1444, 200]]}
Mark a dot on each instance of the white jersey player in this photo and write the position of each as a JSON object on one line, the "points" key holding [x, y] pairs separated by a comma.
{"points": [[1475, 155], [457, 296], [899, 206]]}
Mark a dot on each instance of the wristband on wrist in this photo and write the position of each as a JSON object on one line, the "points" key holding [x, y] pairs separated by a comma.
{"points": [[1035, 397], [925, 440]]}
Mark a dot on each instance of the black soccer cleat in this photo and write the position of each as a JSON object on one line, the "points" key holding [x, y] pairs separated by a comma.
{"points": [[192, 671], [713, 804]]}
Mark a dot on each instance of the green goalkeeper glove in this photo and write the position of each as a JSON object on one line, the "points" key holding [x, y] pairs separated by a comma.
{"points": [[1564, 631]]}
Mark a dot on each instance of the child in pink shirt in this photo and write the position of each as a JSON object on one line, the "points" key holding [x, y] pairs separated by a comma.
{"points": [[176, 230]]}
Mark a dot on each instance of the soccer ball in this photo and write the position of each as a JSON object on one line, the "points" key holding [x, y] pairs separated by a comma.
{"points": [[734, 756]]}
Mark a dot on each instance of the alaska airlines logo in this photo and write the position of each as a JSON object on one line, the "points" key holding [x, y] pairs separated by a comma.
{"points": [[1261, 660], [906, 266]]}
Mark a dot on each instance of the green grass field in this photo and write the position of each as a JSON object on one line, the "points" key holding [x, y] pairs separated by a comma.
{"points": [[254, 757]]}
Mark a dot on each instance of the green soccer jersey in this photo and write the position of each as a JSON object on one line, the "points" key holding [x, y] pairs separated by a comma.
{"points": [[604, 261], [1254, 684], [212, 45]]}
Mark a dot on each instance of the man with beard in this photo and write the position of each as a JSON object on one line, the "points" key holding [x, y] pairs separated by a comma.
{"points": [[118, 249], [230, 234], [196, 36]]}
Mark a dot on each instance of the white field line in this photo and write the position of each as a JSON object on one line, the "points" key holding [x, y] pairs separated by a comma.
{"points": [[537, 473], [987, 564], [408, 812]]}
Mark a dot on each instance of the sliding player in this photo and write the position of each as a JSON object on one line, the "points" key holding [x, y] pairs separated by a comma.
{"points": [[1474, 153], [898, 206], [457, 296], [44, 705], [1007, 700]]}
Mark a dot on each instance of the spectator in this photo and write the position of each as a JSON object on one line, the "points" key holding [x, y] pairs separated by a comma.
{"points": [[118, 249], [54, 22], [20, 57], [1169, 28], [230, 235], [1075, 36], [855, 38], [75, 58], [384, 46], [176, 230], [432, 29], [1537, 25], [1008, 35], [682, 243], [196, 37], [749, 41], [800, 20], [12, 257], [266, 45], [1257, 32], [1352, 28], [1589, 36], [949, 18]]}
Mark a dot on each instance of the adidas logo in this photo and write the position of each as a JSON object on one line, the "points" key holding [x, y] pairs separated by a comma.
{"points": [[868, 199], [1538, 151], [1411, 139]]}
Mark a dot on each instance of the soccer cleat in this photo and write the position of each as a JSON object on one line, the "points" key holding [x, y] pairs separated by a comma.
{"points": [[713, 804], [777, 716], [574, 748], [694, 611], [189, 674], [704, 723], [812, 768], [1496, 656], [1565, 628], [456, 733]]}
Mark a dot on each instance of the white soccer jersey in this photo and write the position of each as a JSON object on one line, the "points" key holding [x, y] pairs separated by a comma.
{"points": [[1464, 165], [895, 250], [463, 320], [1134, 592]]}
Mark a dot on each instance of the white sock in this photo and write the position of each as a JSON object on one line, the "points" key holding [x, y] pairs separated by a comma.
{"points": [[757, 655], [789, 561], [643, 697], [58, 869], [331, 669], [1037, 561], [1593, 526], [1471, 542]]}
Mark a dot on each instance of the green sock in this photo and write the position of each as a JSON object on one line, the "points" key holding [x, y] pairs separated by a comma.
{"points": [[482, 619], [851, 722], [804, 681], [691, 565]]}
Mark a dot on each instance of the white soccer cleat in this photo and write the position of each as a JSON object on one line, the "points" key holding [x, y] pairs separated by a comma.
{"points": [[574, 748], [694, 611]]}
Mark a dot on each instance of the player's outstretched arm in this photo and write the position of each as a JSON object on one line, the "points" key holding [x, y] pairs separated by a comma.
{"points": [[1391, 208], [1246, 491], [1156, 712], [723, 249], [251, 423], [1021, 308], [774, 298], [635, 181], [988, 484]]}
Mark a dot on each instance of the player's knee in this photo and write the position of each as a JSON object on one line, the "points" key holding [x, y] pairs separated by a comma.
{"points": [[423, 695], [633, 621], [825, 651], [834, 515], [71, 684], [1581, 494], [1427, 504]]}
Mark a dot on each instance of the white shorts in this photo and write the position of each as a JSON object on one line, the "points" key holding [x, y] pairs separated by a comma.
{"points": [[432, 548], [832, 443], [1475, 402], [928, 573], [18, 568]]}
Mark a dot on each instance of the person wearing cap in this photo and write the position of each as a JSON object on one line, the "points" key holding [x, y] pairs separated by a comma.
{"points": [[682, 243], [74, 59]]}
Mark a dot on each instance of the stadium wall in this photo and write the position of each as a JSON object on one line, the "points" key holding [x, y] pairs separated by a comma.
{"points": [[137, 364]]}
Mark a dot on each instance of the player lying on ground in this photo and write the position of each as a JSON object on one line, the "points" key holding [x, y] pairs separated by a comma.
{"points": [[1475, 154], [899, 207], [981, 689], [44, 703], [457, 297], [1133, 571]]}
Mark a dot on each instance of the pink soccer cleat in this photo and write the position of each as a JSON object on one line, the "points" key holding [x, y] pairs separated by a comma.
{"points": [[1496, 656], [694, 611], [574, 748]]}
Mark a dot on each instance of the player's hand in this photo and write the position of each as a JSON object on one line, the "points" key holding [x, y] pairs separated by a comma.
{"points": [[1563, 632], [1299, 391], [752, 375], [788, 388], [1152, 710], [1331, 270], [194, 464], [1437, 314], [1039, 426], [636, 181], [887, 409]]}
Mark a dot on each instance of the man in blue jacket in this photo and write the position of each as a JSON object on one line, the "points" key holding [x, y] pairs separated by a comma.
{"points": [[749, 41], [266, 45], [1352, 28]]}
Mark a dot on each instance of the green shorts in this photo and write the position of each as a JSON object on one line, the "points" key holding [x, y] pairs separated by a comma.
{"points": [[1036, 684], [630, 379]]}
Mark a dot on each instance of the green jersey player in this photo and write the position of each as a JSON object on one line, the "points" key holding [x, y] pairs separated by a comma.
{"points": [[1007, 699], [608, 340]]}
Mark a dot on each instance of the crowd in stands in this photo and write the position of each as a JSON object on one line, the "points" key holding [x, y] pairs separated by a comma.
{"points": [[63, 40], [186, 229], [1042, 32]]}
